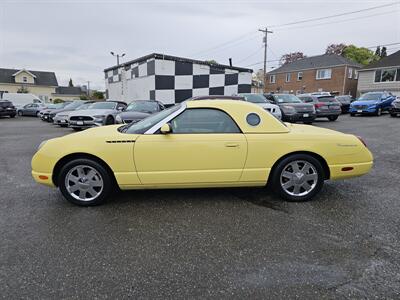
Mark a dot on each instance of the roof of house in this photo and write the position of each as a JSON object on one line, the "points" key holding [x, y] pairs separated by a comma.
{"points": [[68, 90], [392, 60], [181, 59], [42, 78], [315, 62]]}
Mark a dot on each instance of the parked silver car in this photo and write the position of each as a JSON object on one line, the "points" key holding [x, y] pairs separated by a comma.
{"points": [[97, 114], [61, 118]]}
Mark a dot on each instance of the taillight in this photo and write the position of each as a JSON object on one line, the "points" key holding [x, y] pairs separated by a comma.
{"points": [[362, 141], [318, 105]]}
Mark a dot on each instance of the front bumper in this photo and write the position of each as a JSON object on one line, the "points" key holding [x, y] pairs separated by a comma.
{"points": [[84, 124], [364, 110], [394, 110], [60, 121]]}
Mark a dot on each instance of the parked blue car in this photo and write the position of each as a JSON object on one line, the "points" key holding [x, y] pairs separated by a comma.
{"points": [[373, 103]]}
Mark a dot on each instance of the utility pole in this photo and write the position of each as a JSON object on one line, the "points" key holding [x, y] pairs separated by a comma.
{"points": [[265, 31], [88, 89]]}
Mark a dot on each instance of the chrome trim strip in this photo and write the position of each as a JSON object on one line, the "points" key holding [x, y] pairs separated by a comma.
{"points": [[166, 119]]}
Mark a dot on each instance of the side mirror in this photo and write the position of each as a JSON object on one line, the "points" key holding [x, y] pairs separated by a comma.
{"points": [[120, 108], [166, 128]]}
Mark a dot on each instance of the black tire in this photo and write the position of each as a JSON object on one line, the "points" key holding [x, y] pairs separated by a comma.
{"points": [[352, 115], [308, 122], [12, 116], [378, 112], [63, 125], [333, 118], [76, 128], [110, 120], [20, 113], [393, 115], [278, 169], [37, 114], [106, 179]]}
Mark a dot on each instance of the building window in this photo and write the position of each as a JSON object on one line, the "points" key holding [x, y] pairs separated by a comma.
{"points": [[24, 79], [288, 77], [350, 73], [272, 79], [387, 75], [324, 74], [299, 76], [355, 74]]}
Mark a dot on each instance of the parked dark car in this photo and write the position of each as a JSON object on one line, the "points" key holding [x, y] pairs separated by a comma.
{"points": [[394, 110], [7, 108], [326, 106], [345, 101], [31, 109], [292, 108], [45, 113], [372, 103], [138, 110]]}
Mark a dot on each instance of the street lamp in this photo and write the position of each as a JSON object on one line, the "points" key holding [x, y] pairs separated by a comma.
{"points": [[118, 56]]}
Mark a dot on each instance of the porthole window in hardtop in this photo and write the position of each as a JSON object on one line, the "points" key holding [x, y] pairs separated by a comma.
{"points": [[253, 119]]}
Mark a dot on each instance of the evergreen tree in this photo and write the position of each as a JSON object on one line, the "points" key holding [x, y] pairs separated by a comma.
{"points": [[378, 51], [383, 52], [70, 84]]}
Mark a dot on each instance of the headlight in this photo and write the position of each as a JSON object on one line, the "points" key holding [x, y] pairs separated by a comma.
{"points": [[118, 119], [41, 145], [288, 109]]}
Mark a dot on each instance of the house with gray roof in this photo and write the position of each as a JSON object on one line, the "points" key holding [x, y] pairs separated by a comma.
{"points": [[42, 84], [383, 75], [322, 73]]}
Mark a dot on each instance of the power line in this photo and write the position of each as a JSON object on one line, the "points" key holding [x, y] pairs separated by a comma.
{"points": [[334, 16], [251, 55], [339, 21], [225, 43]]}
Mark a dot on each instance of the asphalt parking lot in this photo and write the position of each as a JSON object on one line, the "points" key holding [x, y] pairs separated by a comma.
{"points": [[211, 243]]}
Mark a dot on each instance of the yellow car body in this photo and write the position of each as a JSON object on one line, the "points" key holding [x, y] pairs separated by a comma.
{"points": [[158, 160]]}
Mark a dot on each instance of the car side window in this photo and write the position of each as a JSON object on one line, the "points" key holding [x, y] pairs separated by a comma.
{"points": [[204, 120], [28, 105]]}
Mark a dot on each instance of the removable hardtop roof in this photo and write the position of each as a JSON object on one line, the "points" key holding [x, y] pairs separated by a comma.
{"points": [[218, 97]]}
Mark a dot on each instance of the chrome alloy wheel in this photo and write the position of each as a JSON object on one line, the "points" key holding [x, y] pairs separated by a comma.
{"points": [[84, 183], [299, 178]]}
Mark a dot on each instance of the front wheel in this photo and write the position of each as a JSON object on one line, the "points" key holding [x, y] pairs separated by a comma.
{"points": [[352, 115], [393, 115], [333, 118], [110, 120], [84, 182], [20, 113], [12, 116], [298, 177], [378, 112]]}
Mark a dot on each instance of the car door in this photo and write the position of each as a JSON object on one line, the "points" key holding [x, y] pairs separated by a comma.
{"points": [[205, 146], [33, 109], [27, 111]]}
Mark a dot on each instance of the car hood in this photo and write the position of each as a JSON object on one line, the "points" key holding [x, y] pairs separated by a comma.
{"points": [[361, 102], [56, 111], [92, 112], [109, 134], [134, 115]]}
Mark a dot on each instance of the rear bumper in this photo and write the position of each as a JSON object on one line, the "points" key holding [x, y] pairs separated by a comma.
{"points": [[8, 112], [324, 114], [297, 117], [359, 169]]}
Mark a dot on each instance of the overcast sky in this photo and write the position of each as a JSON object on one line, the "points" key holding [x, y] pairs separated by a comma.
{"points": [[74, 38]]}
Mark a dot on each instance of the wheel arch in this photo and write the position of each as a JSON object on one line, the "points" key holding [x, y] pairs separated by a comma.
{"points": [[81, 155], [313, 154]]}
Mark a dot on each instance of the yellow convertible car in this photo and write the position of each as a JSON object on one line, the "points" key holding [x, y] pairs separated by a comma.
{"points": [[203, 143]]}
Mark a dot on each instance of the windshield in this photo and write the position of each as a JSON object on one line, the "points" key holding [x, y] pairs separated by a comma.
{"points": [[254, 98], [371, 96], [145, 124], [74, 105], [143, 106], [83, 106], [103, 105], [287, 98], [327, 99]]}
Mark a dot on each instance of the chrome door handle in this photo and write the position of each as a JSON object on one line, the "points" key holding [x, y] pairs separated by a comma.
{"points": [[231, 145]]}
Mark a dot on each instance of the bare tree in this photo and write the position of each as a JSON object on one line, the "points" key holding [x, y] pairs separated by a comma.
{"points": [[291, 57], [337, 49]]}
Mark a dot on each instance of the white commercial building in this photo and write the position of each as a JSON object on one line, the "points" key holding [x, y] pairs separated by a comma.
{"points": [[171, 79]]}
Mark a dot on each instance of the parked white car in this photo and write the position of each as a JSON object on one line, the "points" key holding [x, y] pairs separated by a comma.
{"points": [[260, 100]]}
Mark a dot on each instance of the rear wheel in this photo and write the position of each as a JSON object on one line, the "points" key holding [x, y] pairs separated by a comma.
{"points": [[298, 177], [393, 115], [84, 182], [352, 115], [333, 118], [20, 113], [12, 116]]}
